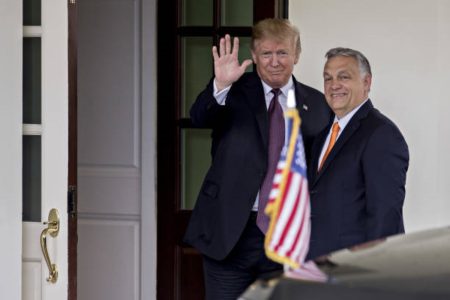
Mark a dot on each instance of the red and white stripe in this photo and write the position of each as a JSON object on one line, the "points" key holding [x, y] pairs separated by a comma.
{"points": [[292, 229]]}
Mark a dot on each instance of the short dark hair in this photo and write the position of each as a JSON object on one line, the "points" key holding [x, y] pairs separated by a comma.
{"points": [[363, 62]]}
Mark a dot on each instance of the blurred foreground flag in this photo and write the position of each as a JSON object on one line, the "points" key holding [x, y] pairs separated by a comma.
{"points": [[287, 239]]}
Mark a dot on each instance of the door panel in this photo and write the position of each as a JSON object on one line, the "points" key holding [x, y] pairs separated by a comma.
{"points": [[32, 262], [110, 161], [24, 270], [53, 132], [55, 137]]}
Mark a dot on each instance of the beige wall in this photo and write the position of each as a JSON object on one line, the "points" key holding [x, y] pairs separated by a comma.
{"points": [[407, 43]]}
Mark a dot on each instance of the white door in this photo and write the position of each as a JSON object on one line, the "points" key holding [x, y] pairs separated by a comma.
{"points": [[34, 155]]}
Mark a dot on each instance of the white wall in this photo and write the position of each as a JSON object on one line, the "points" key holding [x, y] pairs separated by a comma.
{"points": [[407, 43]]}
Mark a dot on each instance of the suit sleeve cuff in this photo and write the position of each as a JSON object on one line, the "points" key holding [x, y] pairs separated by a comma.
{"points": [[220, 96]]}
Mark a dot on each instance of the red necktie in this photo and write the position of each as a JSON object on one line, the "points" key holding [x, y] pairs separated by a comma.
{"points": [[276, 142]]}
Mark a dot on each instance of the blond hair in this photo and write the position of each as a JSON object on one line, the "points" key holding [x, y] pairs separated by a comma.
{"points": [[276, 29]]}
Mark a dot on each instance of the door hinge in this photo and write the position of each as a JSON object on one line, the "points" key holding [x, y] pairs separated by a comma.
{"points": [[72, 1], [72, 201]]}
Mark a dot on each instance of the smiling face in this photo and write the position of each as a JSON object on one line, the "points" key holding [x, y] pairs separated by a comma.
{"points": [[345, 87], [274, 60]]}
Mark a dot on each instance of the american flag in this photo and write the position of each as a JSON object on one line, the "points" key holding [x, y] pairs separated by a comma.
{"points": [[287, 238]]}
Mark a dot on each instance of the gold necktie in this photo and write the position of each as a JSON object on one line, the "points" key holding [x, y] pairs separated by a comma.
{"points": [[334, 134]]}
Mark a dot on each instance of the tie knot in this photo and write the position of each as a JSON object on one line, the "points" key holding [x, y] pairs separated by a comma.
{"points": [[275, 92], [274, 102], [335, 128]]}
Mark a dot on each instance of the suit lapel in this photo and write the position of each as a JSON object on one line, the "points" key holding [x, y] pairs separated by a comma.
{"points": [[254, 93], [316, 149], [348, 132], [301, 99]]}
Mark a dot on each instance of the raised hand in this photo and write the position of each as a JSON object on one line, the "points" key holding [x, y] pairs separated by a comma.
{"points": [[226, 65]]}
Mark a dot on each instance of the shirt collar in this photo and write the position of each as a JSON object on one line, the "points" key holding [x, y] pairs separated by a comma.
{"points": [[284, 89], [345, 119]]}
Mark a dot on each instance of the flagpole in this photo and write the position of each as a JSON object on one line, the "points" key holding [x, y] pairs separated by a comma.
{"points": [[291, 99], [291, 105]]}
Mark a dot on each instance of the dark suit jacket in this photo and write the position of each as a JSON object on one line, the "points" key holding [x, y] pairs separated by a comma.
{"points": [[239, 158], [358, 194]]}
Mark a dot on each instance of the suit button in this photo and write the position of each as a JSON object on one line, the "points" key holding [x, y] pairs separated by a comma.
{"points": [[312, 192]]}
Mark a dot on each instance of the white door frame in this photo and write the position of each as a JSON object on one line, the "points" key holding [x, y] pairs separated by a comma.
{"points": [[11, 151]]}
